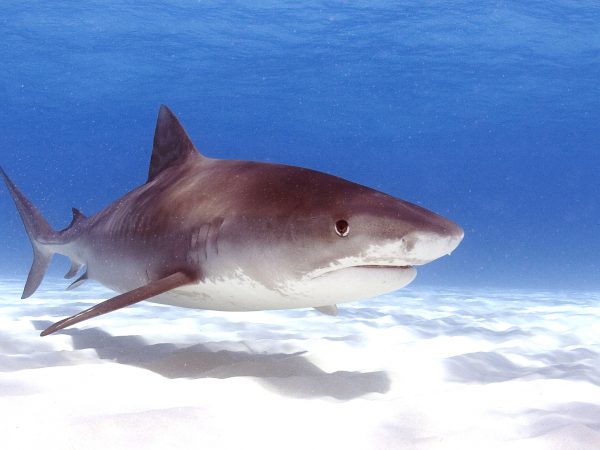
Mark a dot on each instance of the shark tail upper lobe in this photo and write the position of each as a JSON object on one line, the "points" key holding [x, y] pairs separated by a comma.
{"points": [[40, 234]]}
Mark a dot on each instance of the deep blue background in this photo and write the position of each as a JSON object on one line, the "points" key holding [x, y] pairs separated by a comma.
{"points": [[487, 112]]}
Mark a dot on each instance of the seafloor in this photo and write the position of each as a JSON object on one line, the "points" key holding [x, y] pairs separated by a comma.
{"points": [[416, 369]]}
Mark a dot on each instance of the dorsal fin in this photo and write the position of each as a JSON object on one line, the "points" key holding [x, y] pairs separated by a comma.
{"points": [[78, 216], [171, 146]]}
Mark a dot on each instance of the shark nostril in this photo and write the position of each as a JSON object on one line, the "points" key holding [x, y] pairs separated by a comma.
{"points": [[408, 243]]}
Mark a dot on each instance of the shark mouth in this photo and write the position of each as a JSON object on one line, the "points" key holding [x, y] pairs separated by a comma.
{"points": [[352, 282], [375, 267]]}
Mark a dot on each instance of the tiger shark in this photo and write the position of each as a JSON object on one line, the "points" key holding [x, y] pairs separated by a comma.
{"points": [[231, 235]]}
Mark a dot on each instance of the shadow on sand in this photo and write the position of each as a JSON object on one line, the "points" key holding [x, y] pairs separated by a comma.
{"points": [[290, 374], [489, 367]]}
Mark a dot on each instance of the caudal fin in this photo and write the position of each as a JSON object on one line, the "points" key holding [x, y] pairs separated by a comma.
{"points": [[40, 233]]}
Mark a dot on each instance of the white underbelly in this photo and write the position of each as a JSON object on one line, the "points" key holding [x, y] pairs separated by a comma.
{"points": [[241, 293]]}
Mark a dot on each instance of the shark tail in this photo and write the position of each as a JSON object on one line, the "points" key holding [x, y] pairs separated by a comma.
{"points": [[40, 234]]}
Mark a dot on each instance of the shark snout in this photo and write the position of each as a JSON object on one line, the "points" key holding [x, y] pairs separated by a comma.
{"points": [[423, 246], [414, 238], [413, 249]]}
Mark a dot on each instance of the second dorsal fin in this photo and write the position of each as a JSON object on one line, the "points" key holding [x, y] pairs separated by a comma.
{"points": [[77, 220], [78, 217], [171, 145]]}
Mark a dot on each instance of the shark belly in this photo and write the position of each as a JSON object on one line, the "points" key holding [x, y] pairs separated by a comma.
{"points": [[241, 293]]}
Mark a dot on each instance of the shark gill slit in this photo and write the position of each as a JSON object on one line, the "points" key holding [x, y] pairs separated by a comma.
{"points": [[206, 242], [216, 232]]}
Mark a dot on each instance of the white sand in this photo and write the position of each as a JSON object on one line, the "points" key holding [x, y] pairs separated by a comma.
{"points": [[416, 369]]}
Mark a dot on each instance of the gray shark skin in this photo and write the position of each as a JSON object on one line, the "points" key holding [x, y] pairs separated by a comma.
{"points": [[238, 236]]}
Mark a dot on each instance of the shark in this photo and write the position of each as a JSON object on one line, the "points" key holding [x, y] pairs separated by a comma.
{"points": [[234, 235]]}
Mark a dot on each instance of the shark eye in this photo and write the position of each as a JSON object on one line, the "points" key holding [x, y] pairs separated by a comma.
{"points": [[342, 228]]}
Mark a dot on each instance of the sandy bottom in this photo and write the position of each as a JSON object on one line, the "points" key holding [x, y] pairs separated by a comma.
{"points": [[416, 369]]}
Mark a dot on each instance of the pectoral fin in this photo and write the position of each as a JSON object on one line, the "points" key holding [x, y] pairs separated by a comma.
{"points": [[121, 301], [78, 282], [75, 267], [330, 310]]}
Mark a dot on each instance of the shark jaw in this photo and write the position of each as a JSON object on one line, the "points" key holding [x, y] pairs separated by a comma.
{"points": [[361, 281], [398, 255]]}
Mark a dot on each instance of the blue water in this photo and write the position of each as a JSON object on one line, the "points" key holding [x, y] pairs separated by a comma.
{"points": [[486, 112]]}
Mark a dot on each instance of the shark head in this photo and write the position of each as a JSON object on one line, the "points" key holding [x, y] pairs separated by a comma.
{"points": [[318, 239]]}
